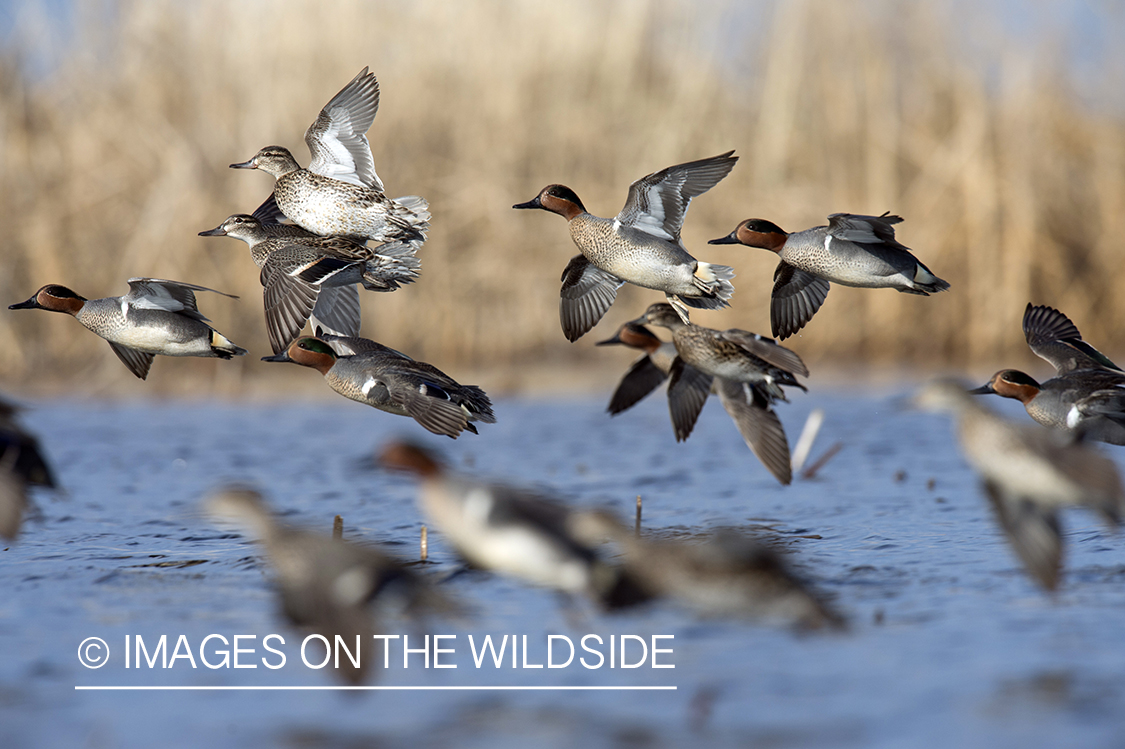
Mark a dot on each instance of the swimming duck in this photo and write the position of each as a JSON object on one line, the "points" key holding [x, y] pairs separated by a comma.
{"points": [[726, 574], [1086, 397], [853, 250], [340, 193], [305, 276], [513, 531], [325, 584], [748, 405], [155, 317], [640, 246], [1028, 476], [370, 373], [748, 371], [22, 464]]}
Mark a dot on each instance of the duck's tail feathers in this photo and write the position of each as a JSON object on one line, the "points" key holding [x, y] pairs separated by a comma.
{"points": [[476, 405], [412, 215], [926, 282], [394, 264], [416, 205], [222, 347], [713, 282]]}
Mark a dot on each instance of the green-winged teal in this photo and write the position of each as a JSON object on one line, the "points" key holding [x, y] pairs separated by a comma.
{"points": [[326, 584], [1088, 394], [746, 369], [640, 246], [748, 405], [155, 317], [513, 531], [724, 574], [1028, 476], [852, 250], [21, 465], [370, 373], [305, 276], [340, 193]]}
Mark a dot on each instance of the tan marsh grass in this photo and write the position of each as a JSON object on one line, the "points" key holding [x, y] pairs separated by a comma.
{"points": [[1011, 181]]}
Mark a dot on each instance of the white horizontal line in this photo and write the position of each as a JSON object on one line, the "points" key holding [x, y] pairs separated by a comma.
{"points": [[363, 688]]}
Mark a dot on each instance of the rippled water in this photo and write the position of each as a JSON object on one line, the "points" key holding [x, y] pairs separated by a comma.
{"points": [[950, 645]]}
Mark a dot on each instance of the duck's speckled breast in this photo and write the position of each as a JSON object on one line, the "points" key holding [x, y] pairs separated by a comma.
{"points": [[329, 207], [633, 255]]}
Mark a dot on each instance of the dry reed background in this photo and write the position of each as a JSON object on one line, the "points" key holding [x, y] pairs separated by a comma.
{"points": [[1011, 182]]}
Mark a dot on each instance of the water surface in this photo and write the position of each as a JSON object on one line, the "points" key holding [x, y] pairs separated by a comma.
{"points": [[950, 644]]}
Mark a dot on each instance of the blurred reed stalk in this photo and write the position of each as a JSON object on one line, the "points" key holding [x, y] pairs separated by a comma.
{"points": [[1011, 183]]}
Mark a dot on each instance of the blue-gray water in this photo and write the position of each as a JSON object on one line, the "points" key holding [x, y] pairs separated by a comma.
{"points": [[950, 644]]}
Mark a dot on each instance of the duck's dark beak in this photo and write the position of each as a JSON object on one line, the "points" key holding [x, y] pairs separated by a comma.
{"points": [[533, 203], [32, 303], [728, 239], [611, 341], [985, 389], [218, 231], [251, 164], [283, 357]]}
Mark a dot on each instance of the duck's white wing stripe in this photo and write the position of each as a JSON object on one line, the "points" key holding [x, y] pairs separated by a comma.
{"points": [[648, 213]]}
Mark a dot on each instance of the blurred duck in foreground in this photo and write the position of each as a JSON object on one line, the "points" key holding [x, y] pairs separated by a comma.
{"points": [[512, 531], [1029, 474], [340, 193], [852, 250], [371, 373], [155, 317], [21, 465], [728, 574], [641, 245], [325, 584], [305, 276], [1087, 395], [746, 369], [749, 406]]}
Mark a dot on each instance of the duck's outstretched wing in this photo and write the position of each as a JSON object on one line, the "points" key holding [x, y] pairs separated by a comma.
{"points": [[1054, 338], [138, 362], [337, 139], [767, 350], [288, 301], [171, 296], [658, 202], [337, 310], [749, 408], [688, 389], [797, 295], [641, 379], [587, 293]]}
